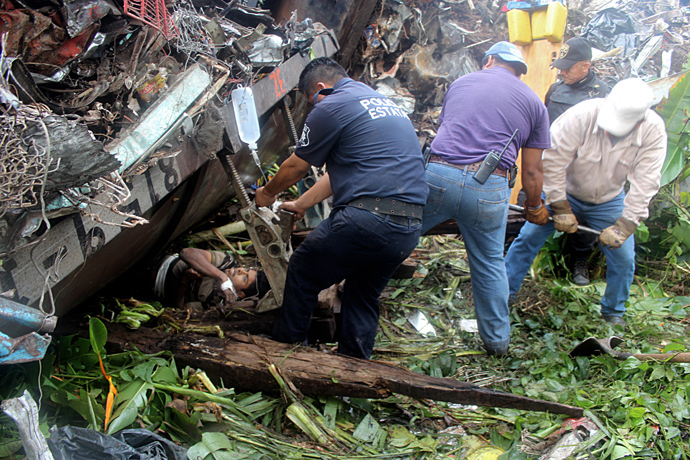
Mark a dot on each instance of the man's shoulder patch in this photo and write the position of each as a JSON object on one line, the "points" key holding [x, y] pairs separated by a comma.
{"points": [[304, 140]]}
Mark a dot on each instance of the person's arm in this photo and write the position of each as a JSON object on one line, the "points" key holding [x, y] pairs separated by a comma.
{"points": [[645, 181], [316, 194], [532, 175], [534, 208], [645, 175], [566, 139], [200, 261], [290, 172]]}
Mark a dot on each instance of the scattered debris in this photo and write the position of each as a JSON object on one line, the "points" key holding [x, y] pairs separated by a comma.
{"points": [[106, 111], [94, 92]]}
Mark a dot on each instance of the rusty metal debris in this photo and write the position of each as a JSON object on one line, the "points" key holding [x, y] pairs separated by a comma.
{"points": [[92, 94]]}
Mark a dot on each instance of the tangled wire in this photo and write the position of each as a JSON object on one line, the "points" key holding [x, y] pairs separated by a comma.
{"points": [[24, 165]]}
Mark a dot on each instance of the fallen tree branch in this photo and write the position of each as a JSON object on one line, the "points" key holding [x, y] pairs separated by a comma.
{"points": [[242, 362]]}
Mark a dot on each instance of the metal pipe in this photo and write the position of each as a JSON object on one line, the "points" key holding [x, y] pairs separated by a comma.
{"points": [[26, 316], [581, 228]]}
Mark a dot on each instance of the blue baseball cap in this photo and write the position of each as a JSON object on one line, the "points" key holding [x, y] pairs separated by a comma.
{"points": [[508, 52]]}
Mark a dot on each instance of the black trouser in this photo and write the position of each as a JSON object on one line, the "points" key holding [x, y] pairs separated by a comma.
{"points": [[352, 245], [582, 243]]}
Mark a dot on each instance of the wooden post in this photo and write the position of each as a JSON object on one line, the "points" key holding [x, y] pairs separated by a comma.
{"points": [[538, 55]]}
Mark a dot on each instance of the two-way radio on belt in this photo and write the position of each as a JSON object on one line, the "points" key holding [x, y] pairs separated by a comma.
{"points": [[491, 161]]}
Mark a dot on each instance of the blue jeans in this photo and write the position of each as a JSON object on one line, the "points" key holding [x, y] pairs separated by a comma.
{"points": [[620, 263], [481, 212], [352, 245]]}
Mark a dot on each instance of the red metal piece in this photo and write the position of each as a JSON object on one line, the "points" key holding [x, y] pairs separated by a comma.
{"points": [[153, 13]]}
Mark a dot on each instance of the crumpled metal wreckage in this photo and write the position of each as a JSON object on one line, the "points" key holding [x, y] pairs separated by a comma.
{"points": [[111, 86]]}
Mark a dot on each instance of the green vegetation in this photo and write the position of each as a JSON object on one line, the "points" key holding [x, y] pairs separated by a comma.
{"points": [[641, 408]]}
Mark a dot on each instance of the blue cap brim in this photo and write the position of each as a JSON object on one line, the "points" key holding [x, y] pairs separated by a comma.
{"points": [[512, 58]]}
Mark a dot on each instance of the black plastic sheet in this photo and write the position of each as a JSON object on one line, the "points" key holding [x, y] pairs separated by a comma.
{"points": [[72, 443], [611, 28]]}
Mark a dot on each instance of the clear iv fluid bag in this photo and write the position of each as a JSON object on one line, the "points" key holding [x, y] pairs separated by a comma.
{"points": [[246, 117]]}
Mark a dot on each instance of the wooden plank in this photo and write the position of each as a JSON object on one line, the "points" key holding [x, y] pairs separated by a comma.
{"points": [[353, 29], [538, 55]]}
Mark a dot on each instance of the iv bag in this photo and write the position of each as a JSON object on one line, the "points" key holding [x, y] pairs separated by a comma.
{"points": [[245, 116]]}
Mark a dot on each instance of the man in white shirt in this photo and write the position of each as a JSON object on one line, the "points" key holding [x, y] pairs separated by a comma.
{"points": [[596, 147]]}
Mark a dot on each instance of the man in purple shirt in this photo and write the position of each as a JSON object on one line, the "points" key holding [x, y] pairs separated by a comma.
{"points": [[481, 111]]}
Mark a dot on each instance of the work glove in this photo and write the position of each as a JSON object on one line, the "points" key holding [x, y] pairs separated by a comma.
{"points": [[615, 235], [563, 218], [538, 215]]}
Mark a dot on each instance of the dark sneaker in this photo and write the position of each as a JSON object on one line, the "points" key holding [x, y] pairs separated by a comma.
{"points": [[580, 275], [616, 321], [496, 351]]}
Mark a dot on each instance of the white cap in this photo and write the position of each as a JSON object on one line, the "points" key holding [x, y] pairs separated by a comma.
{"points": [[625, 106]]}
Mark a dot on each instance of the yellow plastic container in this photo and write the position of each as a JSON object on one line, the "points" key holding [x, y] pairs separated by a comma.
{"points": [[539, 18], [519, 30], [556, 16]]}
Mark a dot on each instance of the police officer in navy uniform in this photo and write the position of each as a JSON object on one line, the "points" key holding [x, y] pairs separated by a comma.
{"points": [[377, 179], [577, 83]]}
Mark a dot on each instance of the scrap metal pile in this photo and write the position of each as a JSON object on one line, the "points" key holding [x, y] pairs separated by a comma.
{"points": [[79, 77], [412, 51]]}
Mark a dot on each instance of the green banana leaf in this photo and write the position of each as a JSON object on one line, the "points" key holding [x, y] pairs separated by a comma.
{"points": [[674, 111]]}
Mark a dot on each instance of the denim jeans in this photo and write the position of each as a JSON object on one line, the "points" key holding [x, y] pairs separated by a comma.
{"points": [[620, 263], [481, 212], [352, 245]]}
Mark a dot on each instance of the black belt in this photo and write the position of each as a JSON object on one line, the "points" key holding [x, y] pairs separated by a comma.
{"points": [[396, 211], [467, 167]]}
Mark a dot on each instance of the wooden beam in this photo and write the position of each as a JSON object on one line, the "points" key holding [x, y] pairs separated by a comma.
{"points": [[540, 76], [241, 361], [353, 28]]}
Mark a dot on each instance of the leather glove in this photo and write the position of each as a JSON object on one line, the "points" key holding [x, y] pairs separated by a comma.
{"points": [[563, 218], [538, 215], [615, 235]]}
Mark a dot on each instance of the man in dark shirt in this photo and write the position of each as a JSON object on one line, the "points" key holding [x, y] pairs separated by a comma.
{"points": [[376, 176], [577, 80], [577, 83]]}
